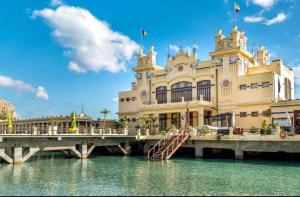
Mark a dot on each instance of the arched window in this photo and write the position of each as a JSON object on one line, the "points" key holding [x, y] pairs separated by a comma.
{"points": [[181, 89], [161, 94], [287, 88], [203, 88]]}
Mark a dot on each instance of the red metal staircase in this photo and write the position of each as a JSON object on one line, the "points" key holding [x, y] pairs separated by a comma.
{"points": [[167, 146], [171, 142]]}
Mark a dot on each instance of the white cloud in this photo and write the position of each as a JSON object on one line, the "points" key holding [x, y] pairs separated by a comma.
{"points": [[73, 66], [253, 19], [89, 42], [278, 19], [42, 93], [22, 87], [174, 48], [258, 18], [55, 3], [263, 3]]}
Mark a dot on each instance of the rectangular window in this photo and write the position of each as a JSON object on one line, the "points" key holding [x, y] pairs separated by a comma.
{"points": [[254, 114], [122, 99], [265, 84], [254, 85], [243, 87], [243, 114]]}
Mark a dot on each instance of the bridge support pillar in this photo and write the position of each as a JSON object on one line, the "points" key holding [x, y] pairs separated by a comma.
{"points": [[239, 154], [198, 152], [146, 148], [126, 150], [5, 156], [83, 150], [17, 155]]}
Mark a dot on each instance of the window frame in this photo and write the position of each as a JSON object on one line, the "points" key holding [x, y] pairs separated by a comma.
{"points": [[204, 88], [263, 85], [243, 114], [254, 85], [181, 89], [243, 85], [254, 114]]}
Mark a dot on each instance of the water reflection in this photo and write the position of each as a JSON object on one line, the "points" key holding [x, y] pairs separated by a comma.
{"points": [[57, 175]]}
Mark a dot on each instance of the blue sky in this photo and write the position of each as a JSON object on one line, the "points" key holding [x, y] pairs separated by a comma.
{"points": [[56, 54]]}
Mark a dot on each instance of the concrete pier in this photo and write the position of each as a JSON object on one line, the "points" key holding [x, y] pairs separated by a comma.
{"points": [[238, 146], [18, 149], [198, 152], [239, 154]]}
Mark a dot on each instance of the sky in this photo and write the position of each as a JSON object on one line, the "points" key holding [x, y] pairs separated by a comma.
{"points": [[57, 54]]}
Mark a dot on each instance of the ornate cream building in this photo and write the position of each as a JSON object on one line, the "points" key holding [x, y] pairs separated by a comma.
{"points": [[235, 87]]}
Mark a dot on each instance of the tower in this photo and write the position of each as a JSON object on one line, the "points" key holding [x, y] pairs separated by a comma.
{"points": [[263, 56]]}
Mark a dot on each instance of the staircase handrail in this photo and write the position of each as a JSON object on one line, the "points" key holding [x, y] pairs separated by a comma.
{"points": [[175, 140], [160, 141]]}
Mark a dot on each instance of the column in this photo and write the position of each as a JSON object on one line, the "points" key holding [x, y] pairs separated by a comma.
{"points": [[198, 152], [183, 115], [83, 151], [61, 127], [146, 148], [194, 92], [239, 154], [169, 122], [67, 126], [86, 128], [169, 96], [200, 117], [17, 155]]}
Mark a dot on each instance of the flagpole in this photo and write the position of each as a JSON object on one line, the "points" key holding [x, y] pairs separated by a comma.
{"points": [[234, 18], [141, 39]]}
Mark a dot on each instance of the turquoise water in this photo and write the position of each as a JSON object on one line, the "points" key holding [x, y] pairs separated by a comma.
{"points": [[136, 176]]}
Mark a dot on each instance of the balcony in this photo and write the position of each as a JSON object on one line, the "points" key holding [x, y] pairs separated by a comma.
{"points": [[172, 105]]}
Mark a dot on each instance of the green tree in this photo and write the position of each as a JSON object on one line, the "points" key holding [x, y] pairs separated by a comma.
{"points": [[143, 122], [178, 117], [265, 130], [105, 112], [125, 121]]}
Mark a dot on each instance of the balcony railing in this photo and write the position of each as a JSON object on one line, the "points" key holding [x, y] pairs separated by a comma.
{"points": [[194, 99]]}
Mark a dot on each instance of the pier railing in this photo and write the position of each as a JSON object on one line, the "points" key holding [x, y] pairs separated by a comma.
{"points": [[58, 131]]}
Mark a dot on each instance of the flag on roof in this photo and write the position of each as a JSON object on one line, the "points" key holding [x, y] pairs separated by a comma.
{"points": [[236, 7]]}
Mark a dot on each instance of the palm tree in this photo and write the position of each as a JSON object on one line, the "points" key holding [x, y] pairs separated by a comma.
{"points": [[105, 112], [143, 122], [125, 121]]}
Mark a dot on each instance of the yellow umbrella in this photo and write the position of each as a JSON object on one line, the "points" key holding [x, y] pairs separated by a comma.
{"points": [[73, 128], [9, 123]]}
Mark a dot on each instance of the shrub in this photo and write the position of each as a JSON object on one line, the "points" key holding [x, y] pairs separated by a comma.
{"points": [[253, 129], [203, 131]]}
